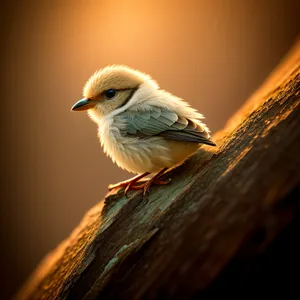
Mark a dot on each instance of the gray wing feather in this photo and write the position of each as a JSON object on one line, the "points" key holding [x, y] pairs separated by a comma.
{"points": [[165, 123], [145, 115]]}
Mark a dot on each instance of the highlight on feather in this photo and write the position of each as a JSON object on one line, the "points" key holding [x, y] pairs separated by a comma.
{"points": [[142, 128]]}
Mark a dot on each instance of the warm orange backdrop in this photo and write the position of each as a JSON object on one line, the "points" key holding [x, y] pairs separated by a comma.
{"points": [[212, 53]]}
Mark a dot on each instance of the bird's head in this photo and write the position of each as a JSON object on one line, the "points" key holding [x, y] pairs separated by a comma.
{"points": [[111, 88]]}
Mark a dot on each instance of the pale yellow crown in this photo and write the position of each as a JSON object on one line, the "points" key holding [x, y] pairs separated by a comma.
{"points": [[114, 77]]}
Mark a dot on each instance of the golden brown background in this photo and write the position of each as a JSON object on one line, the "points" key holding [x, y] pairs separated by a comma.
{"points": [[212, 53]]}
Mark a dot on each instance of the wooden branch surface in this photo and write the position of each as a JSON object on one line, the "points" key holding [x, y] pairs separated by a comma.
{"points": [[178, 241]]}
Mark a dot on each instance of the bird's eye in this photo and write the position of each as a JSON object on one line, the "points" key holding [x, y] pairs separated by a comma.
{"points": [[109, 94]]}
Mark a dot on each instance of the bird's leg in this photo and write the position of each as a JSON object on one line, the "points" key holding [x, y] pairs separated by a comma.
{"points": [[154, 180], [140, 186], [161, 182], [133, 182], [127, 183]]}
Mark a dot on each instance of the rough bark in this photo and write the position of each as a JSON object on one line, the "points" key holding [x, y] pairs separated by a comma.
{"points": [[212, 227]]}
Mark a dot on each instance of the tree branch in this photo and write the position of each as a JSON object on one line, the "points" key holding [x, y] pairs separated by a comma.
{"points": [[215, 212]]}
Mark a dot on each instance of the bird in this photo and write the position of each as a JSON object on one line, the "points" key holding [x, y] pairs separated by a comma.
{"points": [[144, 129]]}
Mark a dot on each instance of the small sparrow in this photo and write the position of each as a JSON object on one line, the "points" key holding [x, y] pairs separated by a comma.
{"points": [[142, 128]]}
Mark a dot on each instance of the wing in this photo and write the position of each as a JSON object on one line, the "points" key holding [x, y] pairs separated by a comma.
{"points": [[166, 123]]}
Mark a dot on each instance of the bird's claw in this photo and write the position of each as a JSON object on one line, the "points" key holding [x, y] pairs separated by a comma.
{"points": [[145, 186]]}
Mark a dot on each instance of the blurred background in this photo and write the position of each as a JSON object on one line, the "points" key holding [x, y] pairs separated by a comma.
{"points": [[214, 54]]}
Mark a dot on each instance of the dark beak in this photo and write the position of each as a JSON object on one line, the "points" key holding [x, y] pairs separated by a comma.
{"points": [[83, 104]]}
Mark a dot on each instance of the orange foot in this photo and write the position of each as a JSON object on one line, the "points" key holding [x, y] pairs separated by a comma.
{"points": [[131, 183]]}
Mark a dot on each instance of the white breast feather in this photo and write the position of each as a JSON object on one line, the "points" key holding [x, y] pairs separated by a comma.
{"points": [[133, 154]]}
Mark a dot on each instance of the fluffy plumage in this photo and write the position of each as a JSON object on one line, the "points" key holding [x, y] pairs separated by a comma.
{"points": [[143, 128]]}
